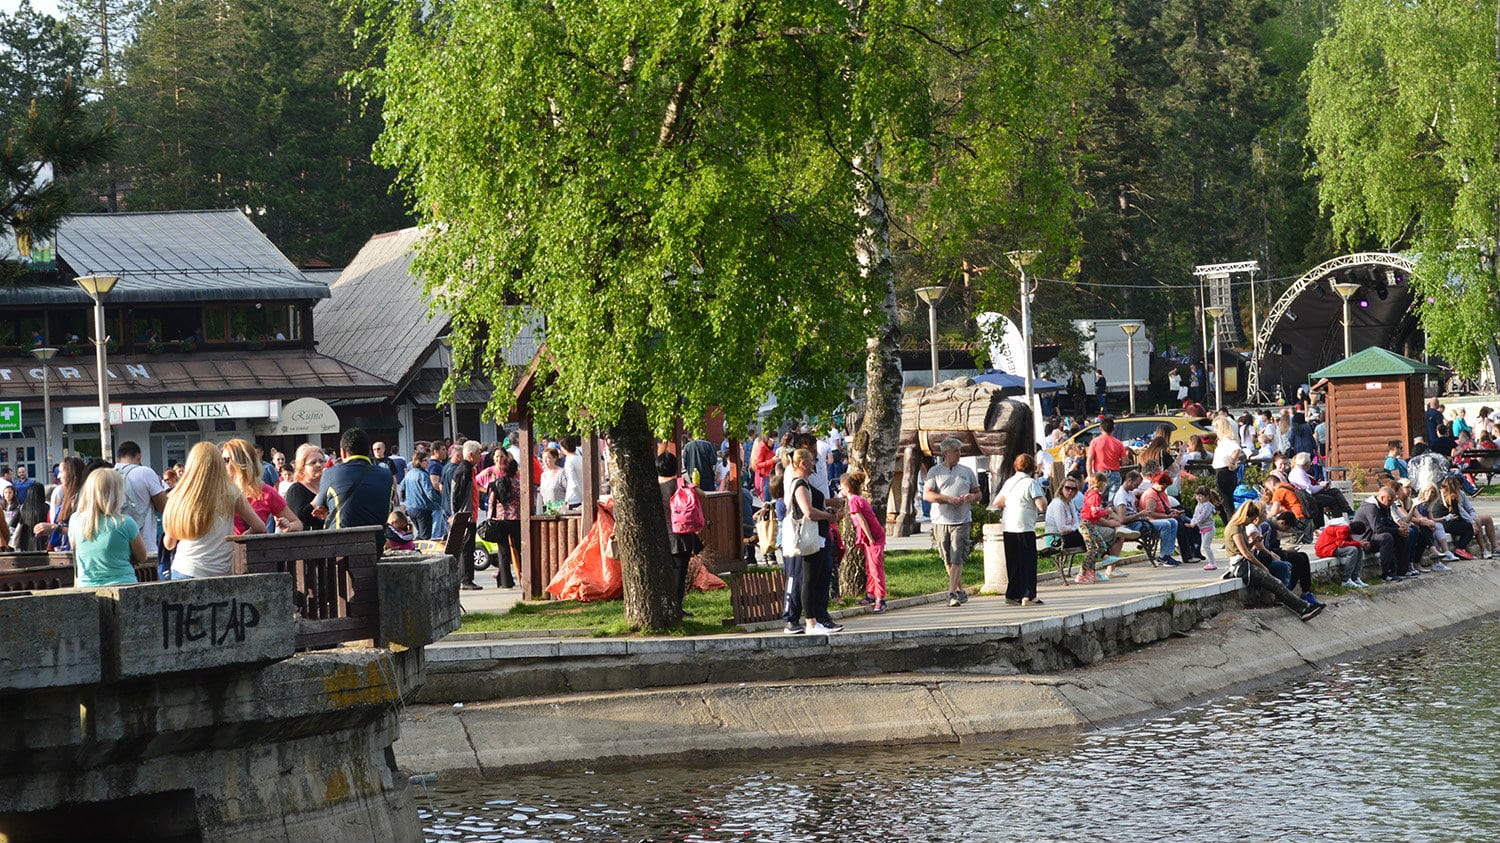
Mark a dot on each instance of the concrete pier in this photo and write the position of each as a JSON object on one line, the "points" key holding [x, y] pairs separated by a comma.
{"points": [[1088, 655], [179, 711]]}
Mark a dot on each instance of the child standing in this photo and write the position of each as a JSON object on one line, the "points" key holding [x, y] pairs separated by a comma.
{"points": [[869, 534], [1203, 519]]}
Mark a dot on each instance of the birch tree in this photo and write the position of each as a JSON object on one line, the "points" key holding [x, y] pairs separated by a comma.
{"points": [[1405, 124]]}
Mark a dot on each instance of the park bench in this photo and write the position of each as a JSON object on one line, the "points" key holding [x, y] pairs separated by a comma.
{"points": [[1482, 461], [1064, 557]]}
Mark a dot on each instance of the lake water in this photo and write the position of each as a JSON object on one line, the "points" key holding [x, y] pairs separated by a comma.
{"points": [[1402, 746]]}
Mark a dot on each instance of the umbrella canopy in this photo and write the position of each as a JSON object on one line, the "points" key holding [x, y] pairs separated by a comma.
{"points": [[1015, 383]]}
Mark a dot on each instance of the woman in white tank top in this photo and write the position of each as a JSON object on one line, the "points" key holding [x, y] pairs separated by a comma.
{"points": [[199, 517]]}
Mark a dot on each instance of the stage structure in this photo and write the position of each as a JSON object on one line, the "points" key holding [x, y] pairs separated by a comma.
{"points": [[1304, 332]]}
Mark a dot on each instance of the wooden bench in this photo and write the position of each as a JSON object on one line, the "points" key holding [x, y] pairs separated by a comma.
{"points": [[1064, 557], [1484, 461]]}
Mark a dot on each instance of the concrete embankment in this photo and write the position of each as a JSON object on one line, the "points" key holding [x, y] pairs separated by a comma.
{"points": [[1205, 643]]}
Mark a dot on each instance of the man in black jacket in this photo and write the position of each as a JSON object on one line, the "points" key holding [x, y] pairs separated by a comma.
{"points": [[1384, 534], [356, 492], [463, 498]]}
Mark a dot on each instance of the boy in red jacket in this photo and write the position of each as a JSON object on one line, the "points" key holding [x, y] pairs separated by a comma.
{"points": [[1344, 541]]}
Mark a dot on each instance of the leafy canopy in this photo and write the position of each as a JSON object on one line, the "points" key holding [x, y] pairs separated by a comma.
{"points": [[1406, 127], [662, 179]]}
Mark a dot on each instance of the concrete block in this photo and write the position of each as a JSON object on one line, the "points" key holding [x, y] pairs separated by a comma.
{"points": [[418, 600], [197, 624], [535, 649], [575, 648], [654, 647], [49, 640], [725, 646]]}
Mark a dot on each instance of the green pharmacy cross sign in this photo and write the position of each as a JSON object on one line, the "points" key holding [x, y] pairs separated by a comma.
{"points": [[10, 416]]}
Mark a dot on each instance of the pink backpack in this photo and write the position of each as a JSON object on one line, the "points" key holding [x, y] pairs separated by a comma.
{"points": [[686, 510]]}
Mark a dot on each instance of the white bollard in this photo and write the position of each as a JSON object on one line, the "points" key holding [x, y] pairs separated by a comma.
{"points": [[995, 578]]}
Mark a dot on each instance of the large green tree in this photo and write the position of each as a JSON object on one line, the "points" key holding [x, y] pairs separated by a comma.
{"points": [[669, 182], [1405, 111], [240, 103], [40, 56], [1194, 154], [964, 119]]}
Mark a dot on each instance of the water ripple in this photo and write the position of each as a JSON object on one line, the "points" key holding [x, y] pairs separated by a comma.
{"points": [[1395, 747]]}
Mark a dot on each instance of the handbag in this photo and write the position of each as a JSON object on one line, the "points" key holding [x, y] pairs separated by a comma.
{"points": [[492, 531], [804, 535]]}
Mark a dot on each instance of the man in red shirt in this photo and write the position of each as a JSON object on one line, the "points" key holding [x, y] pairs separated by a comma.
{"points": [[1106, 454]]}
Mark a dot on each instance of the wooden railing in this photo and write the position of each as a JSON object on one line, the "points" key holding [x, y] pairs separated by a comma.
{"points": [[724, 535], [552, 538], [333, 579]]}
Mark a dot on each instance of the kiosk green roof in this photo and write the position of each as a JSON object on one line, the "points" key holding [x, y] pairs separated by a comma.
{"points": [[1374, 362]]}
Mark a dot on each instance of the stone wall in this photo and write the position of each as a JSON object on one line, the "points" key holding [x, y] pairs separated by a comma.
{"points": [[179, 710]]}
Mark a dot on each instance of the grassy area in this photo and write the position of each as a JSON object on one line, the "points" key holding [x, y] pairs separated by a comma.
{"points": [[908, 573]]}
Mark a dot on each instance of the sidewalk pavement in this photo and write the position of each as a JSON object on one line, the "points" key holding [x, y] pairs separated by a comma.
{"points": [[932, 611]]}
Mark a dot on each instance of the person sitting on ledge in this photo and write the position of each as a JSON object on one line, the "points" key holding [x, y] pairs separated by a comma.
{"points": [[1238, 536]]}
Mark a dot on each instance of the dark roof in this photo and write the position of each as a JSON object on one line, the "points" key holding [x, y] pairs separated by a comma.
{"points": [[202, 376], [1374, 362], [376, 316], [176, 256], [428, 383]]}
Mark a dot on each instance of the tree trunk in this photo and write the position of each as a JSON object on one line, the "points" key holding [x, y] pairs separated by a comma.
{"points": [[874, 449], [650, 576], [851, 570]]}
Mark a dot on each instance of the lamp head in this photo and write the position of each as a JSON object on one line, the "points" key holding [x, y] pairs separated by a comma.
{"points": [[1217, 311], [930, 295], [1345, 289], [97, 285], [44, 353], [1023, 258], [1130, 328]]}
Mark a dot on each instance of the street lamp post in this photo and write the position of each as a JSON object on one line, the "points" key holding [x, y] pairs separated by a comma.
{"points": [[1130, 329], [44, 354], [931, 295], [1023, 258], [1216, 313], [447, 341], [98, 286], [1345, 289]]}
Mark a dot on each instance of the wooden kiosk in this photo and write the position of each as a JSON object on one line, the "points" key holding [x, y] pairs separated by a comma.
{"points": [[1373, 397]]}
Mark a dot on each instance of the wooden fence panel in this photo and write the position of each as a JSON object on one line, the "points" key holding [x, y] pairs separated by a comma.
{"points": [[333, 579], [552, 538]]}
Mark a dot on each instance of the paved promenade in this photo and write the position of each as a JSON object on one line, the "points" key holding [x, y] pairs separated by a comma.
{"points": [[931, 612]]}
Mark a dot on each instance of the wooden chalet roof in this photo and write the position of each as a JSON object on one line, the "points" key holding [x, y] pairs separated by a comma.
{"points": [[1374, 362]]}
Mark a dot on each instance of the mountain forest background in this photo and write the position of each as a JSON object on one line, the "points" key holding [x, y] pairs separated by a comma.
{"points": [[1192, 147]]}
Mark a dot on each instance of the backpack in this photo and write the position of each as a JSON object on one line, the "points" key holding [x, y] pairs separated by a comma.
{"points": [[686, 509], [130, 507]]}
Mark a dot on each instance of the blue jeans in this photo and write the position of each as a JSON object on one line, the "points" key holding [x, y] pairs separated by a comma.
{"points": [[1167, 527], [421, 521], [178, 575], [439, 525]]}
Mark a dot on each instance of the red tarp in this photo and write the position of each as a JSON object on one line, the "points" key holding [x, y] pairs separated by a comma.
{"points": [[588, 575]]}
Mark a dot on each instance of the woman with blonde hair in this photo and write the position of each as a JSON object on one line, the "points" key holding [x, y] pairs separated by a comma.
{"points": [[307, 473], [106, 544], [200, 516], [1227, 458], [245, 470]]}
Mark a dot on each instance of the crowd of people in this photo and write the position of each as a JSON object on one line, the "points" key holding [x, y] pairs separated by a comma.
{"points": [[1168, 495]]}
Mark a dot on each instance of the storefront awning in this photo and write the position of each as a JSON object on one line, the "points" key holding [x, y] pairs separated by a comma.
{"points": [[204, 375]]}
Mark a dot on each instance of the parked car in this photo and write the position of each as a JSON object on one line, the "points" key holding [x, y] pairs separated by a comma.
{"points": [[1136, 432]]}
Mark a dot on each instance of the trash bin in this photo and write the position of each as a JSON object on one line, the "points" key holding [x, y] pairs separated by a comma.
{"points": [[995, 578]]}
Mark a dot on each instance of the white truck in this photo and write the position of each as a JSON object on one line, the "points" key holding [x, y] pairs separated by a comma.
{"points": [[1108, 349]]}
